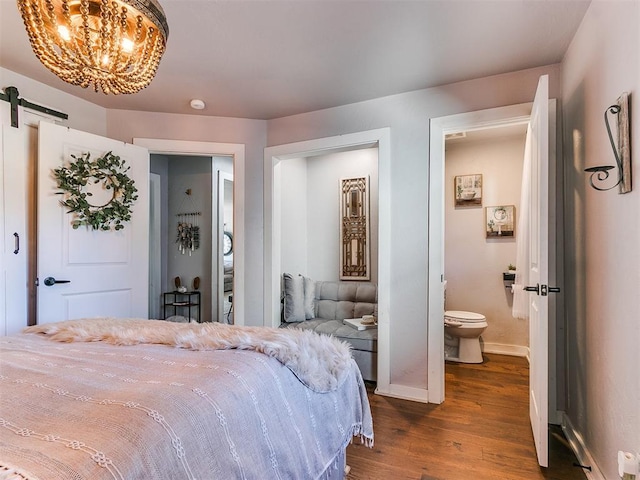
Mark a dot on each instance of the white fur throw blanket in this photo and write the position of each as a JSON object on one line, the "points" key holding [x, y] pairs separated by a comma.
{"points": [[321, 362]]}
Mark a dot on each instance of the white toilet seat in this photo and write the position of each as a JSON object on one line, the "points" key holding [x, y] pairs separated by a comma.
{"points": [[460, 316]]}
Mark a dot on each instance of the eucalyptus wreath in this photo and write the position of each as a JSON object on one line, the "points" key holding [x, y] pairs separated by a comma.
{"points": [[110, 170]]}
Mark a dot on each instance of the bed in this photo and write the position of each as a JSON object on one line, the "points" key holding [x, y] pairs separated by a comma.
{"points": [[127, 399]]}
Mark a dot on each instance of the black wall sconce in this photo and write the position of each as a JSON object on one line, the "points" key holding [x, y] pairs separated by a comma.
{"points": [[622, 152]]}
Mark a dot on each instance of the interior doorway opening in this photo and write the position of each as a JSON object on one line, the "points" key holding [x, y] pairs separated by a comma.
{"points": [[234, 154], [187, 220], [439, 128], [483, 179], [273, 231], [544, 178]]}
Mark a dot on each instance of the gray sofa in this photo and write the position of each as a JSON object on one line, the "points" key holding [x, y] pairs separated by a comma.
{"points": [[332, 303]]}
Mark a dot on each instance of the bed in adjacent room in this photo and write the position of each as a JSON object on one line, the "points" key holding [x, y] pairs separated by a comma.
{"points": [[150, 399]]}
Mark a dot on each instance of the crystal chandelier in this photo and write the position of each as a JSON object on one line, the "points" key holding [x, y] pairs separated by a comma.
{"points": [[114, 45]]}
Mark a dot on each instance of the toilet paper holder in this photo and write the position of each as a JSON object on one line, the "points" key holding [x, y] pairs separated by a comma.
{"points": [[508, 279]]}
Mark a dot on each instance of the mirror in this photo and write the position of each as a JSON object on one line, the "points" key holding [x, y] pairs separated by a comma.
{"points": [[225, 247]]}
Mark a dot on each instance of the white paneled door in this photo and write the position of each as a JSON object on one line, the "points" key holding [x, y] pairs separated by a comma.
{"points": [[97, 273], [539, 271]]}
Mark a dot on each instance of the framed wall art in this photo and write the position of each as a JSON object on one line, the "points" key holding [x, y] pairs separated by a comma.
{"points": [[468, 190], [500, 221], [355, 262]]}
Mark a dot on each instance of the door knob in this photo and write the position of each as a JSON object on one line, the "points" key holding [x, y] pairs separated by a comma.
{"points": [[49, 281]]}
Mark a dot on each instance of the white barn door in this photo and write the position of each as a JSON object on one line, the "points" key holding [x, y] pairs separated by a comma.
{"points": [[105, 272]]}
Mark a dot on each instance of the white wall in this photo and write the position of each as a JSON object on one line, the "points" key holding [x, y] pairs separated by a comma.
{"points": [[407, 115], [602, 231], [323, 200], [294, 213], [310, 241], [473, 263]]}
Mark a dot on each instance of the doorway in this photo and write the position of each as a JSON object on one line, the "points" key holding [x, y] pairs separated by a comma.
{"points": [[188, 235], [439, 128], [273, 241], [473, 121], [485, 165], [236, 155]]}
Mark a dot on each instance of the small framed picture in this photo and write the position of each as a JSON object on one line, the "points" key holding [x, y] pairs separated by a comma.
{"points": [[468, 190], [500, 221]]}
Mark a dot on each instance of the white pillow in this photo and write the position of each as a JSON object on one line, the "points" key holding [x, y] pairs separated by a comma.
{"points": [[293, 298]]}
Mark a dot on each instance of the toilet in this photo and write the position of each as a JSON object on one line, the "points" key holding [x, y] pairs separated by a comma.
{"points": [[463, 329]]}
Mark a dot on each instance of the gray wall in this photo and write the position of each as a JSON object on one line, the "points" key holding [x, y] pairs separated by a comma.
{"points": [[192, 173], [408, 116], [602, 232]]}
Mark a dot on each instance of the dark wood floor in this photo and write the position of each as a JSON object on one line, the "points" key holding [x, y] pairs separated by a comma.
{"points": [[480, 432]]}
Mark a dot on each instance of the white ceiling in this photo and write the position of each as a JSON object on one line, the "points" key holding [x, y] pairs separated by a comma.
{"points": [[266, 59]]}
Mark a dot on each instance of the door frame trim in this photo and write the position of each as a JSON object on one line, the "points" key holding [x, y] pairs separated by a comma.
{"points": [[237, 151]]}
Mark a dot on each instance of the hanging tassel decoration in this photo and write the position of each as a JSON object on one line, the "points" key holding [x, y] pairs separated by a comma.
{"points": [[188, 235]]}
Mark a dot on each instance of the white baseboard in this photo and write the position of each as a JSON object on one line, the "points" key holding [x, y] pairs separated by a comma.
{"points": [[580, 449], [503, 349], [405, 393]]}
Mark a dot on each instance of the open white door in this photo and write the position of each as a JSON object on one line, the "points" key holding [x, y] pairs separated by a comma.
{"points": [[107, 271], [539, 271]]}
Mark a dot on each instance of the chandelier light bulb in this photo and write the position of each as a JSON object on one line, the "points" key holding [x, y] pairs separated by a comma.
{"points": [[127, 45], [64, 33], [113, 45]]}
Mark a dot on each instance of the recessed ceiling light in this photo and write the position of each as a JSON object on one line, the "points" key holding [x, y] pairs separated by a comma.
{"points": [[197, 104]]}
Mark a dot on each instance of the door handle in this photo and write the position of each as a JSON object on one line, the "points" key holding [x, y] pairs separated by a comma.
{"points": [[542, 290], [50, 281], [16, 240]]}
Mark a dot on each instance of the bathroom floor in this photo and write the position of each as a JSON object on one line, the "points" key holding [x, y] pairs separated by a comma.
{"points": [[480, 432]]}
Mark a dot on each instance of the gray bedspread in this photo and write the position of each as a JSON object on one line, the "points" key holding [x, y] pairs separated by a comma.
{"points": [[99, 411]]}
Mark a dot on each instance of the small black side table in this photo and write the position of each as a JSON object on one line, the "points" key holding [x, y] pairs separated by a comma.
{"points": [[184, 301]]}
